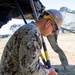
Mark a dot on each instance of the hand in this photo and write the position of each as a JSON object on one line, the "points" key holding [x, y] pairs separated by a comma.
{"points": [[52, 72], [44, 66]]}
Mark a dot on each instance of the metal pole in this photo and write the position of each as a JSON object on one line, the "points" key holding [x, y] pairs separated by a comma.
{"points": [[34, 10], [46, 55], [44, 46], [20, 11]]}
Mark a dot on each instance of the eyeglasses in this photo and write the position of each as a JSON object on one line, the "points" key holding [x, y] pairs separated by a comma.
{"points": [[55, 28]]}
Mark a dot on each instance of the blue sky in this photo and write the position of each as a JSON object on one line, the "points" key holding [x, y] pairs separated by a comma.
{"points": [[49, 4]]}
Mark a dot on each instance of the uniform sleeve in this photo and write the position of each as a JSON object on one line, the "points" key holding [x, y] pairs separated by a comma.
{"points": [[29, 52]]}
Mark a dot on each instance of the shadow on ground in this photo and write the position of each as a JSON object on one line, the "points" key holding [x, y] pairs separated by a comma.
{"points": [[70, 69]]}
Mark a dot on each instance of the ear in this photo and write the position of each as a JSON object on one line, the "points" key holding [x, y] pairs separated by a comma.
{"points": [[47, 23]]}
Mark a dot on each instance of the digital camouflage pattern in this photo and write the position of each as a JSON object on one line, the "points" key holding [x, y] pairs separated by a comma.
{"points": [[21, 53], [54, 44]]}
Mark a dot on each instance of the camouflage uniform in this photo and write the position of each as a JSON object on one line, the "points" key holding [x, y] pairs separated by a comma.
{"points": [[53, 42], [21, 53]]}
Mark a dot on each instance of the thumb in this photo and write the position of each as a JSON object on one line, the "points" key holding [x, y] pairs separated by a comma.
{"points": [[52, 72]]}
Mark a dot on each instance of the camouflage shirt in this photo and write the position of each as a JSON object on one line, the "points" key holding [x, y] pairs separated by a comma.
{"points": [[21, 53]]}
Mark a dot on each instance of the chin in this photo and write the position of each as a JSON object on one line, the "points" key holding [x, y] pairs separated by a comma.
{"points": [[45, 35]]}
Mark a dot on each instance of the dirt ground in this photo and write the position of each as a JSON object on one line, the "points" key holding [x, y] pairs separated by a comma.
{"points": [[67, 44]]}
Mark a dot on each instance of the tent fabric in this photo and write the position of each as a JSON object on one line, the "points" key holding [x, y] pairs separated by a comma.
{"points": [[8, 10]]}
